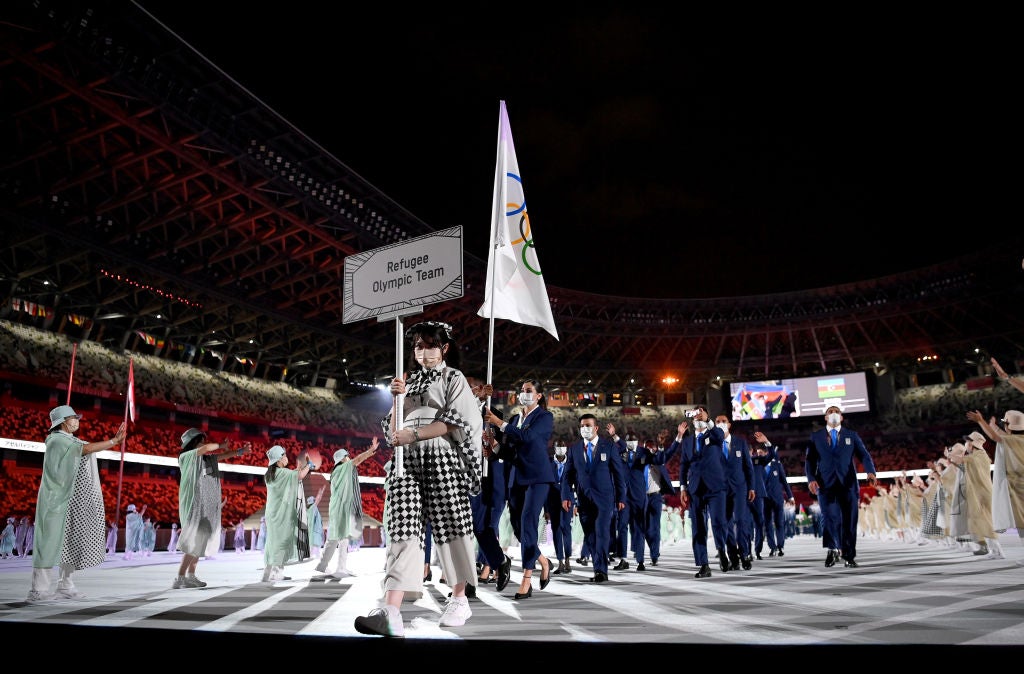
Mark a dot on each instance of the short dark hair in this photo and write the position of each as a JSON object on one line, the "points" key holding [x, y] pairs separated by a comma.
{"points": [[588, 415]]}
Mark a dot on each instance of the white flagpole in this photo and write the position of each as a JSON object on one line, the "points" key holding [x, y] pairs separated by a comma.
{"points": [[398, 412], [497, 222]]}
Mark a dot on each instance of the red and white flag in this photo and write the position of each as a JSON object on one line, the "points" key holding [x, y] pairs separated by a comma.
{"points": [[130, 397]]}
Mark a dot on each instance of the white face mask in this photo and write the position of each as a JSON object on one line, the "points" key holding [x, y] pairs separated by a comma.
{"points": [[724, 427], [700, 425], [631, 445], [833, 419], [429, 358], [586, 432], [559, 451], [528, 398]]}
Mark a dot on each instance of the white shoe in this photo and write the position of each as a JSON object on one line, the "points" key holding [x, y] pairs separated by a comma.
{"points": [[37, 597], [456, 612], [342, 573], [995, 554], [192, 581], [179, 583], [69, 593]]}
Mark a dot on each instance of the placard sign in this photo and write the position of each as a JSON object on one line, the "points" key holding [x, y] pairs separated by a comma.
{"points": [[398, 277]]}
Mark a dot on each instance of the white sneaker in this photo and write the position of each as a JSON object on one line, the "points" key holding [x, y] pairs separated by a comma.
{"points": [[385, 621], [995, 554], [456, 612], [69, 593], [342, 573], [192, 581], [179, 583], [36, 597]]}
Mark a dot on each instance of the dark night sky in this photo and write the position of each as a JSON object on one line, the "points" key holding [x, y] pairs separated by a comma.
{"points": [[660, 157]]}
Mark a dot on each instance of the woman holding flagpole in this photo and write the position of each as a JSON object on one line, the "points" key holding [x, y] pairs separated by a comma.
{"points": [[441, 435], [70, 517], [526, 437]]}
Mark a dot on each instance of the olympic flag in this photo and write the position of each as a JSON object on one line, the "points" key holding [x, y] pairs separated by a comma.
{"points": [[515, 286]]}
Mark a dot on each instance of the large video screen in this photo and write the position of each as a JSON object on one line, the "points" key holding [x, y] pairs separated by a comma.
{"points": [[799, 396]]}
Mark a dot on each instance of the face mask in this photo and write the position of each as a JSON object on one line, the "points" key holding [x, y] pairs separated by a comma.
{"points": [[724, 427], [559, 451], [833, 419], [631, 445], [700, 425], [586, 432], [527, 398], [428, 358]]}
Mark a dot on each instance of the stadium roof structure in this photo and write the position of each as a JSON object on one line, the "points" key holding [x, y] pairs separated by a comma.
{"points": [[146, 195]]}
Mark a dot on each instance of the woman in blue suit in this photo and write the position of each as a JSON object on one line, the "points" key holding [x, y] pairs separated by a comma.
{"points": [[526, 437]]}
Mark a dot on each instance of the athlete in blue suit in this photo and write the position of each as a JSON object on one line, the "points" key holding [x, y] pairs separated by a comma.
{"points": [[832, 477], [598, 478], [703, 486]]}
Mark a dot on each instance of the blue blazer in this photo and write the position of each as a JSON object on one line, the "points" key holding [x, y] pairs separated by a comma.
{"points": [[701, 465], [659, 462], [775, 483], [554, 500], [738, 466], [759, 486], [831, 466], [530, 444], [602, 481], [636, 484]]}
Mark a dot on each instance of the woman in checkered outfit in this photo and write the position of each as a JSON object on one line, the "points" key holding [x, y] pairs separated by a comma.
{"points": [[70, 517], [440, 431]]}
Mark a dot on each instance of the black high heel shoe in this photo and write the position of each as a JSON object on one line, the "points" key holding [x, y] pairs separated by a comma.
{"points": [[529, 593], [545, 578]]}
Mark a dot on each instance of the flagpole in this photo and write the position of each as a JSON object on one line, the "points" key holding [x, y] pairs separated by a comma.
{"points": [[128, 402], [398, 413], [497, 211], [71, 378]]}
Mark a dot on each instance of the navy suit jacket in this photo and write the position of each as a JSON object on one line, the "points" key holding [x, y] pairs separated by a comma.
{"points": [[738, 466], [831, 466], [759, 486], [554, 500], [530, 444], [775, 483], [602, 481], [703, 466], [636, 482], [659, 462]]}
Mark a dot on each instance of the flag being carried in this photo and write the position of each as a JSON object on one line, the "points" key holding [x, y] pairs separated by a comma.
{"points": [[515, 286], [130, 397]]}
